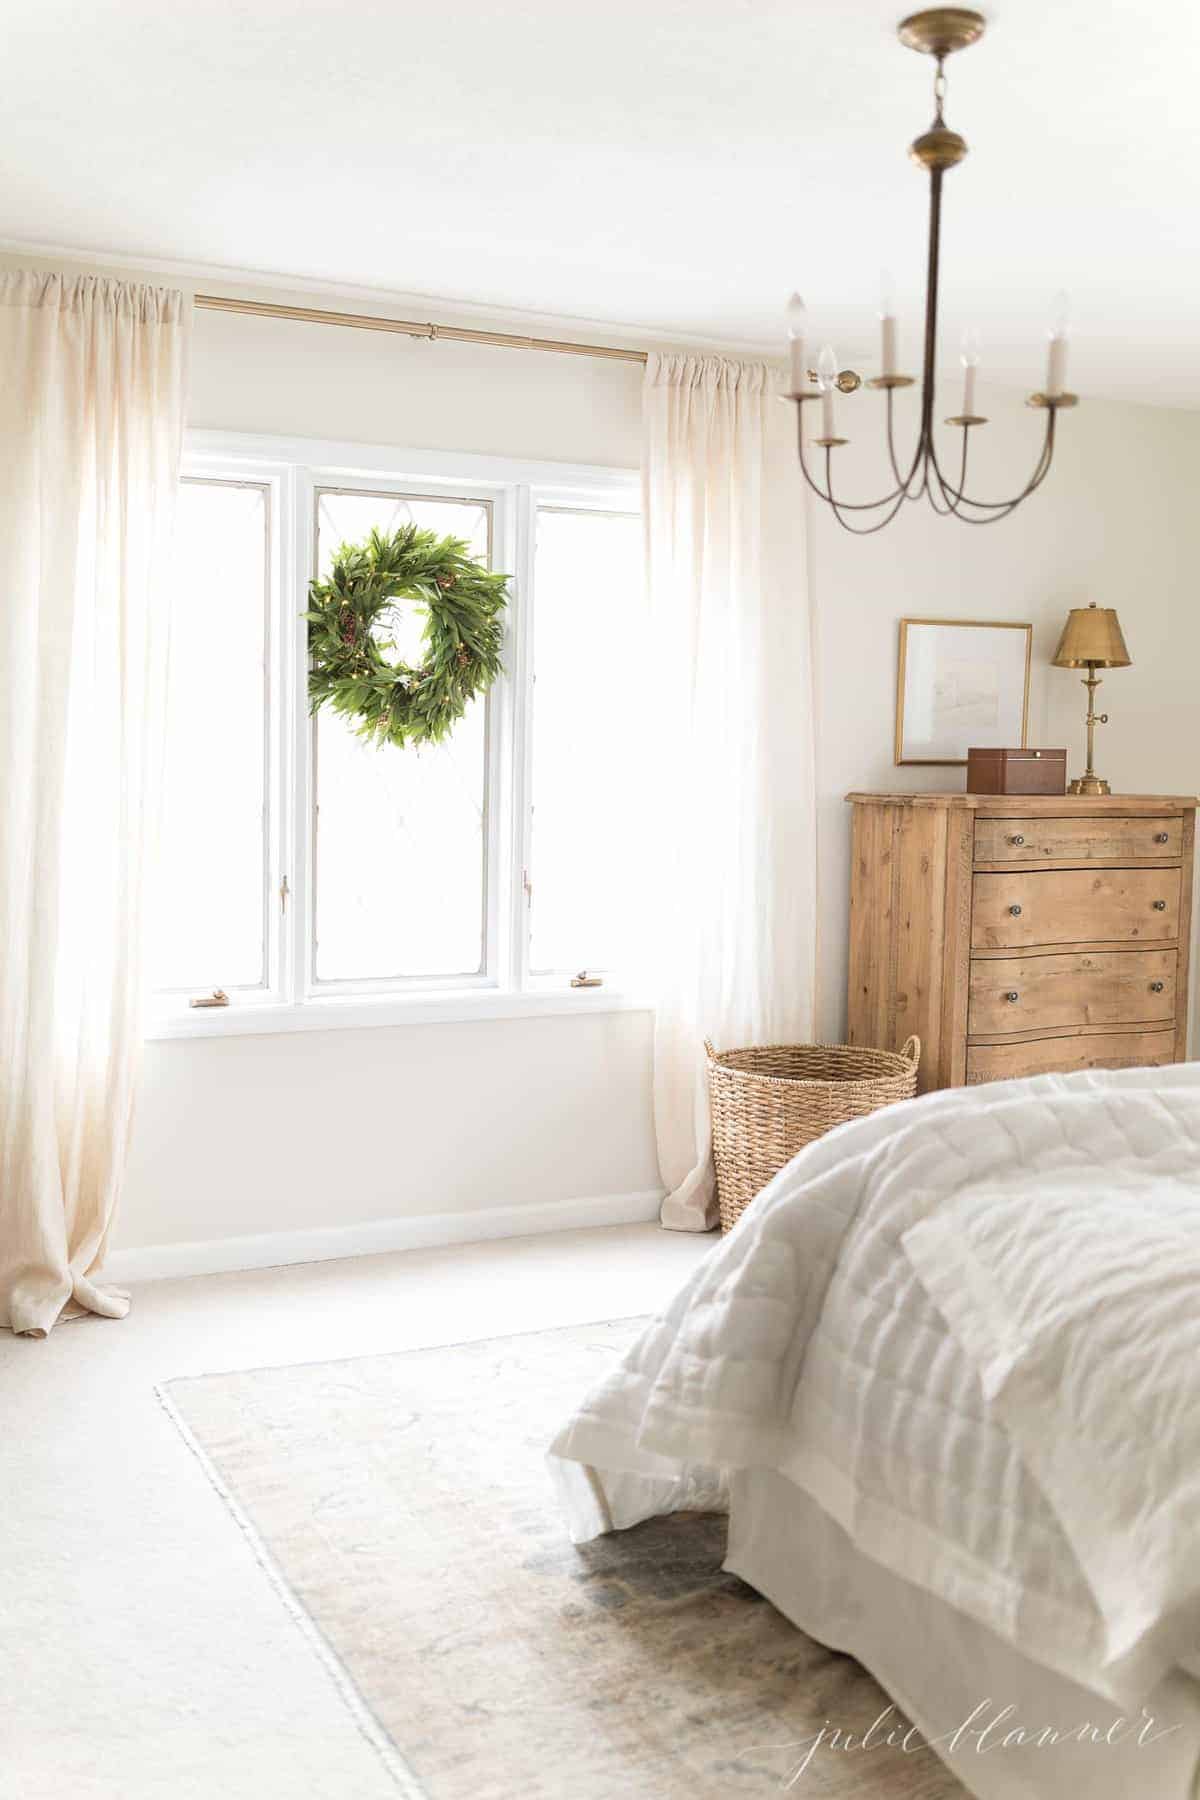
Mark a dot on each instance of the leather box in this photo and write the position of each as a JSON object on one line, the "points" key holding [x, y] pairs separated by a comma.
{"points": [[1016, 771]]}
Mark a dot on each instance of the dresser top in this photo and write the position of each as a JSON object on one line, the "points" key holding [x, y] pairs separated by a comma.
{"points": [[1030, 806]]}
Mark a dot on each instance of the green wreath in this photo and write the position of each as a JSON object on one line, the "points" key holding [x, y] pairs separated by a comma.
{"points": [[349, 668]]}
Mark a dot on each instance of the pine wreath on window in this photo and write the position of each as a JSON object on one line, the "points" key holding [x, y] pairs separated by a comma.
{"points": [[350, 666]]}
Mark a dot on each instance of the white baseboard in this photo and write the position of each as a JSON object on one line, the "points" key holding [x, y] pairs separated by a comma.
{"points": [[272, 1249]]}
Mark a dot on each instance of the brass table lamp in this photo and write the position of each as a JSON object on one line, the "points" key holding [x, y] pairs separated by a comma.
{"points": [[1091, 639]]}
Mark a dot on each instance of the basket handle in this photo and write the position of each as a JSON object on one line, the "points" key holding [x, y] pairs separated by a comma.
{"points": [[912, 1050], [710, 1050]]}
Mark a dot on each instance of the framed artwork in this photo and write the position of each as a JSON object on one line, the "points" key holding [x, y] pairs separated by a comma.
{"points": [[962, 683]]}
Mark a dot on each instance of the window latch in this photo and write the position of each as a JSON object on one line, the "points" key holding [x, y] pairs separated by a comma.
{"points": [[218, 997], [583, 979]]}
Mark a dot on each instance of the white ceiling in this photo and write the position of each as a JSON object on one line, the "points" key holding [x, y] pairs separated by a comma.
{"points": [[675, 166]]}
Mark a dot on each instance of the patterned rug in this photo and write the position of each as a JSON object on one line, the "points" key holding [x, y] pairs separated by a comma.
{"points": [[403, 1506]]}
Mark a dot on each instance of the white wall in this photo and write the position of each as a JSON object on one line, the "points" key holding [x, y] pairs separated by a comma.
{"points": [[261, 1135], [307, 380], [258, 1134], [246, 1135], [1117, 521]]}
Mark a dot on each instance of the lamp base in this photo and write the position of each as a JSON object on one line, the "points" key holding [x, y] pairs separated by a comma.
{"points": [[1089, 784]]}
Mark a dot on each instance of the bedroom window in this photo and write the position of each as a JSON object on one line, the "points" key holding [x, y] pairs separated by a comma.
{"points": [[209, 915], [310, 879], [587, 594], [399, 836]]}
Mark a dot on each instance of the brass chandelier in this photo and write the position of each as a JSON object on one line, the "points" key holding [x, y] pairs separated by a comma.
{"points": [[936, 33]]}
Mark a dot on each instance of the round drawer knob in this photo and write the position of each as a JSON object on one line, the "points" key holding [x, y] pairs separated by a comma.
{"points": [[1160, 906], [1156, 987], [1012, 997], [1161, 837], [1015, 911], [1016, 839]]}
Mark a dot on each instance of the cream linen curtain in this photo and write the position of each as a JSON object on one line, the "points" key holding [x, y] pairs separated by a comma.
{"points": [[92, 377], [733, 843]]}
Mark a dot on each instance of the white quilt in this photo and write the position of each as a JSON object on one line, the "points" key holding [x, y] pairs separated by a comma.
{"points": [[968, 1327]]}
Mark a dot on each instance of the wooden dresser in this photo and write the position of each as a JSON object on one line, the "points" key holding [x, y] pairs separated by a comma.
{"points": [[1018, 934]]}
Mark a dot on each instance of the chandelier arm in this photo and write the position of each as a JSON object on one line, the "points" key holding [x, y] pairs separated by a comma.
{"points": [[898, 500], [903, 482], [826, 493], [999, 507], [891, 438], [865, 530], [943, 512], [992, 518], [1040, 470], [820, 492], [953, 496], [1047, 456]]}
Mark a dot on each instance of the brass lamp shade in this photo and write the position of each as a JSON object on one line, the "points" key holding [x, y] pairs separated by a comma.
{"points": [[1091, 640], [1092, 634]]}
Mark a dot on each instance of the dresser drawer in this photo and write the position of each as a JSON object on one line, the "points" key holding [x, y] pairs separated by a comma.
{"points": [[1076, 840], [1045, 1056], [1099, 987], [1074, 906]]}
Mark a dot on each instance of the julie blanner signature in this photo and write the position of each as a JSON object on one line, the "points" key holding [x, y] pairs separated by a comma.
{"points": [[989, 1728]]}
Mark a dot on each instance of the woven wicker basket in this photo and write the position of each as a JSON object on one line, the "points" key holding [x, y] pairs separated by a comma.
{"points": [[771, 1100]]}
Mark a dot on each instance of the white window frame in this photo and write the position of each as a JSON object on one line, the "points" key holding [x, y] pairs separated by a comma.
{"points": [[295, 470], [600, 498], [311, 483]]}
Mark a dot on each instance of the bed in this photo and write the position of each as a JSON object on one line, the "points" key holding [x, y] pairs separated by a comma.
{"points": [[945, 1376]]}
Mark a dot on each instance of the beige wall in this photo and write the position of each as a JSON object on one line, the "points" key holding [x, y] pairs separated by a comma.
{"points": [[246, 1136], [1117, 521], [318, 381], [242, 1136], [249, 1135], [480, 1115]]}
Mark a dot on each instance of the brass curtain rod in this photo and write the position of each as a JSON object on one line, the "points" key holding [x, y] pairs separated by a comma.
{"points": [[459, 334]]}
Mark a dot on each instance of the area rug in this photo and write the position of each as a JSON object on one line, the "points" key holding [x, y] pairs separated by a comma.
{"points": [[403, 1506]]}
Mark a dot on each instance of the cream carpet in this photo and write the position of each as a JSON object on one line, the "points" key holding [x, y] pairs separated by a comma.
{"points": [[402, 1505]]}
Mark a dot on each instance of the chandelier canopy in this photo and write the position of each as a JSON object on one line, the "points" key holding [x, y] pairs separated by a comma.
{"points": [[936, 33]]}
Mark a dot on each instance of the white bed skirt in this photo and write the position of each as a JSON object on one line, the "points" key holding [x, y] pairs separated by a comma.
{"points": [[947, 1672]]}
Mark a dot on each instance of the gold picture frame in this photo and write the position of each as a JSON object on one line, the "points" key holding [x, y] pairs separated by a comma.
{"points": [[948, 702]]}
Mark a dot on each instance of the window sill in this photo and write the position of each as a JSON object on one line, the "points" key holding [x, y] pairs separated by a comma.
{"points": [[251, 1019]]}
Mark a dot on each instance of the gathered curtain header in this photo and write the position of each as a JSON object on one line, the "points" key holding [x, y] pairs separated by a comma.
{"points": [[138, 300], [712, 372]]}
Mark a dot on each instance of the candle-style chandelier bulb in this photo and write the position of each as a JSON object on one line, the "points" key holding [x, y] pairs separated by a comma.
{"points": [[827, 371], [969, 358], [797, 323], [1060, 315], [887, 323], [928, 473], [1056, 350]]}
